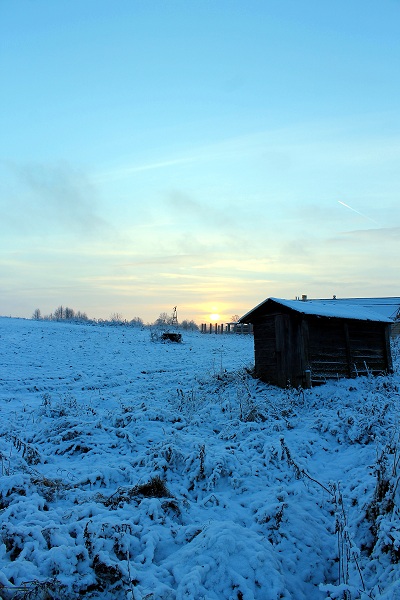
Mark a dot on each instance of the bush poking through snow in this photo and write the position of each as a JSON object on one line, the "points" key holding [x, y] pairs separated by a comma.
{"points": [[154, 488], [50, 589], [382, 512], [29, 453]]}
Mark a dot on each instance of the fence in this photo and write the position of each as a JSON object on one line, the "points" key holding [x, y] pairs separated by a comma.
{"points": [[241, 328]]}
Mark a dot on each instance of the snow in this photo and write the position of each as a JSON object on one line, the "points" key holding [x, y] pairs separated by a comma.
{"points": [[388, 307], [138, 469], [327, 308]]}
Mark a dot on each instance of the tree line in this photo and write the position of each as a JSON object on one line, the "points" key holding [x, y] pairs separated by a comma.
{"points": [[61, 313], [65, 313]]}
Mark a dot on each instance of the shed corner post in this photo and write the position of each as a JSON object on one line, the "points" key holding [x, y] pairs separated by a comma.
{"points": [[388, 351], [307, 379]]}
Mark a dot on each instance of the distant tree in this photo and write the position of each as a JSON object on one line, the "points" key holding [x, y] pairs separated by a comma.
{"points": [[66, 314], [58, 313], [37, 315], [189, 325], [163, 319], [136, 322], [116, 318], [69, 313], [81, 316], [235, 318]]}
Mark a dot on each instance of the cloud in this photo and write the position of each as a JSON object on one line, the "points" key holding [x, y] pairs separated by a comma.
{"points": [[127, 170], [376, 234], [377, 242], [54, 197], [183, 202], [184, 206], [158, 261]]}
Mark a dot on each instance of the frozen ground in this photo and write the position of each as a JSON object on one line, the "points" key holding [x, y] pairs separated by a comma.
{"points": [[141, 470]]}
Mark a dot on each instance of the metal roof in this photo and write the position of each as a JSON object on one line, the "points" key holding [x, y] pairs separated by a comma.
{"points": [[324, 308], [388, 307]]}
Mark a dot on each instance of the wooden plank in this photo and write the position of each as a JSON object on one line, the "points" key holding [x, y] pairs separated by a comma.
{"points": [[265, 350]]}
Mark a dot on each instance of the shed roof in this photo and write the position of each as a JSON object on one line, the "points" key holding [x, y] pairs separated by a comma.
{"points": [[386, 306], [322, 308]]}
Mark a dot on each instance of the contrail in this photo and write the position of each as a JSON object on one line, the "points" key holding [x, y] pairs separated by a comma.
{"points": [[358, 212]]}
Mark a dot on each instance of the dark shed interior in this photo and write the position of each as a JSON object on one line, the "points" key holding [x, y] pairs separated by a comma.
{"points": [[301, 343]]}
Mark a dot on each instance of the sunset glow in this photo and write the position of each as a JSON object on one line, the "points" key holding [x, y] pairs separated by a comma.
{"points": [[173, 165]]}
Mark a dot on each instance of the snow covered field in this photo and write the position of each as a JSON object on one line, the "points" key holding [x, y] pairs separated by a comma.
{"points": [[141, 470]]}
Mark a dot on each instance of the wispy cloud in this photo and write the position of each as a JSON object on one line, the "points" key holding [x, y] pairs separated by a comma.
{"points": [[124, 171], [184, 205], [54, 198], [376, 234]]}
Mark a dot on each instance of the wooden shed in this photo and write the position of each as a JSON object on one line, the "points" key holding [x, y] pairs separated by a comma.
{"points": [[305, 342]]}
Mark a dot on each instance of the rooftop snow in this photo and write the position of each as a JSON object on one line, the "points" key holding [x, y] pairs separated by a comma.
{"points": [[326, 308], [388, 307]]}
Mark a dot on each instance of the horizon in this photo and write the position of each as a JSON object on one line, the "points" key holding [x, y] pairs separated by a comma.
{"points": [[204, 155]]}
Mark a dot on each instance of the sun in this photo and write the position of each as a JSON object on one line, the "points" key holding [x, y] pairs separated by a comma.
{"points": [[214, 317]]}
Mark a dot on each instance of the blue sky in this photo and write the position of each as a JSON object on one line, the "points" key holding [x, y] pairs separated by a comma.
{"points": [[204, 154]]}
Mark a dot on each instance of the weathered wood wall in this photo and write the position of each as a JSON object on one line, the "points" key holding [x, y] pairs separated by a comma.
{"points": [[293, 350], [265, 350], [369, 347], [328, 349]]}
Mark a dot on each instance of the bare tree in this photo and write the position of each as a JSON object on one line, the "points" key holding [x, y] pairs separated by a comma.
{"points": [[69, 313], [66, 314], [189, 325], [37, 315], [81, 316], [235, 318], [163, 319], [116, 318], [136, 322], [59, 313]]}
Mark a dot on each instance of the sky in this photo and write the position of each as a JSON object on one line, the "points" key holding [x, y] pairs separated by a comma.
{"points": [[199, 154]]}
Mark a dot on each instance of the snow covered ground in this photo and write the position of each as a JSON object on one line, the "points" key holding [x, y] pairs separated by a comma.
{"points": [[136, 469]]}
